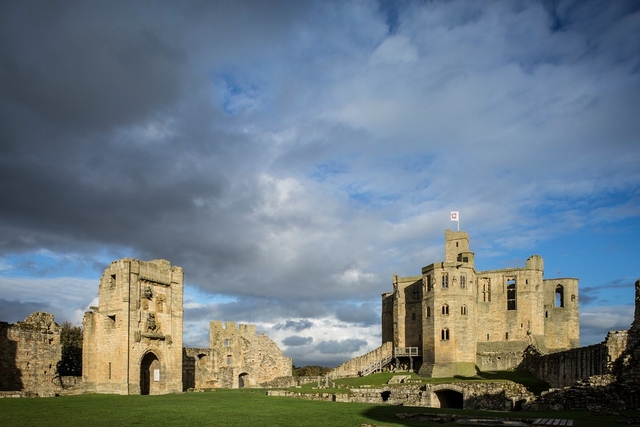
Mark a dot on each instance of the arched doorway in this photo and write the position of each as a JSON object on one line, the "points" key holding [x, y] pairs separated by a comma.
{"points": [[450, 398], [243, 380], [149, 374]]}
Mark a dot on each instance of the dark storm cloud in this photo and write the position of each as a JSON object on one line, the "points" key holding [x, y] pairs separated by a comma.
{"points": [[361, 314], [17, 311], [590, 295], [105, 139], [294, 325], [340, 346], [257, 309], [296, 340]]}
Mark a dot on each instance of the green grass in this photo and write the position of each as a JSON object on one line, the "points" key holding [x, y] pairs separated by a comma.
{"points": [[231, 408]]}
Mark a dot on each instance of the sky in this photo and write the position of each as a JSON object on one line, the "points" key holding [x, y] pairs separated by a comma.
{"points": [[292, 156]]}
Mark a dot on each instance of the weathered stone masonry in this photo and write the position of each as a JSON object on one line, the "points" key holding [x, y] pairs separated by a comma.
{"points": [[238, 357], [462, 319], [133, 339], [29, 354]]}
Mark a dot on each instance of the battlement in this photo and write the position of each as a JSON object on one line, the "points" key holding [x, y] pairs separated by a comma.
{"points": [[232, 328]]}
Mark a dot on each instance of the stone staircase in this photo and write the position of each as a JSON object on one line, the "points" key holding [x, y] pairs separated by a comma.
{"points": [[376, 366]]}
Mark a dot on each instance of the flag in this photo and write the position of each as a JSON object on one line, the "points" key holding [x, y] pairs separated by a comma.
{"points": [[455, 216]]}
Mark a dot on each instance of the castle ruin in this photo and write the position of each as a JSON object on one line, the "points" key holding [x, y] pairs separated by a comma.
{"points": [[453, 319]]}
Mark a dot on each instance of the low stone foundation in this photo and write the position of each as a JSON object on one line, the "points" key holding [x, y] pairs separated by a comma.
{"points": [[487, 396]]}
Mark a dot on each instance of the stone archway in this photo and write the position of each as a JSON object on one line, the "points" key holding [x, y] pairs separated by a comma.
{"points": [[150, 374], [450, 398]]}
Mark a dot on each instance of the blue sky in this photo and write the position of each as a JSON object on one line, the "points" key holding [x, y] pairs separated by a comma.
{"points": [[292, 156]]}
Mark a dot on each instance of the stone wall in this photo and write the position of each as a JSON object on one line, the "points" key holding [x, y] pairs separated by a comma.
{"points": [[564, 368], [29, 355], [285, 382], [352, 367], [473, 396], [499, 356]]}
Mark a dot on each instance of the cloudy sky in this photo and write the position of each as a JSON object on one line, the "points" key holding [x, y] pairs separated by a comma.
{"points": [[292, 156]]}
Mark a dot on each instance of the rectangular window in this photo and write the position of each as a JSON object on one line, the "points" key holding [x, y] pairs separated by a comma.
{"points": [[445, 280], [228, 360], [463, 281], [226, 343], [511, 294], [429, 285], [416, 294]]}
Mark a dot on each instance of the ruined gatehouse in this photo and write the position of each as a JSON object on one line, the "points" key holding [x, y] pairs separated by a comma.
{"points": [[133, 338]]}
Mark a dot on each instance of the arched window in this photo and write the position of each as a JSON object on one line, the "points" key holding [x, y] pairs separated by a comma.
{"points": [[428, 311], [463, 310], [559, 296], [463, 281], [445, 334], [445, 309], [445, 280], [486, 289]]}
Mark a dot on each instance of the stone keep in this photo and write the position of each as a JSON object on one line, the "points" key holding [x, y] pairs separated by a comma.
{"points": [[133, 339], [460, 318]]}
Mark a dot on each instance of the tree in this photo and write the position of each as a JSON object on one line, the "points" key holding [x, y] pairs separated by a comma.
{"points": [[310, 371], [71, 341]]}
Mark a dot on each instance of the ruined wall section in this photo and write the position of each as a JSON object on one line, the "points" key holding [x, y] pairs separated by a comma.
{"points": [[29, 355], [387, 319], [561, 314], [352, 367], [511, 304], [197, 369], [240, 358], [564, 368], [627, 365]]}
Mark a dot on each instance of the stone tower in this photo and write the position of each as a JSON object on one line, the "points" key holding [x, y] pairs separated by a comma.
{"points": [[133, 339], [450, 305]]}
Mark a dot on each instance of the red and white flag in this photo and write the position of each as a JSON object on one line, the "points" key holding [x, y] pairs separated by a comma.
{"points": [[455, 216]]}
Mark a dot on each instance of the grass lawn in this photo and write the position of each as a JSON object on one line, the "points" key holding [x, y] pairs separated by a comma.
{"points": [[221, 408]]}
